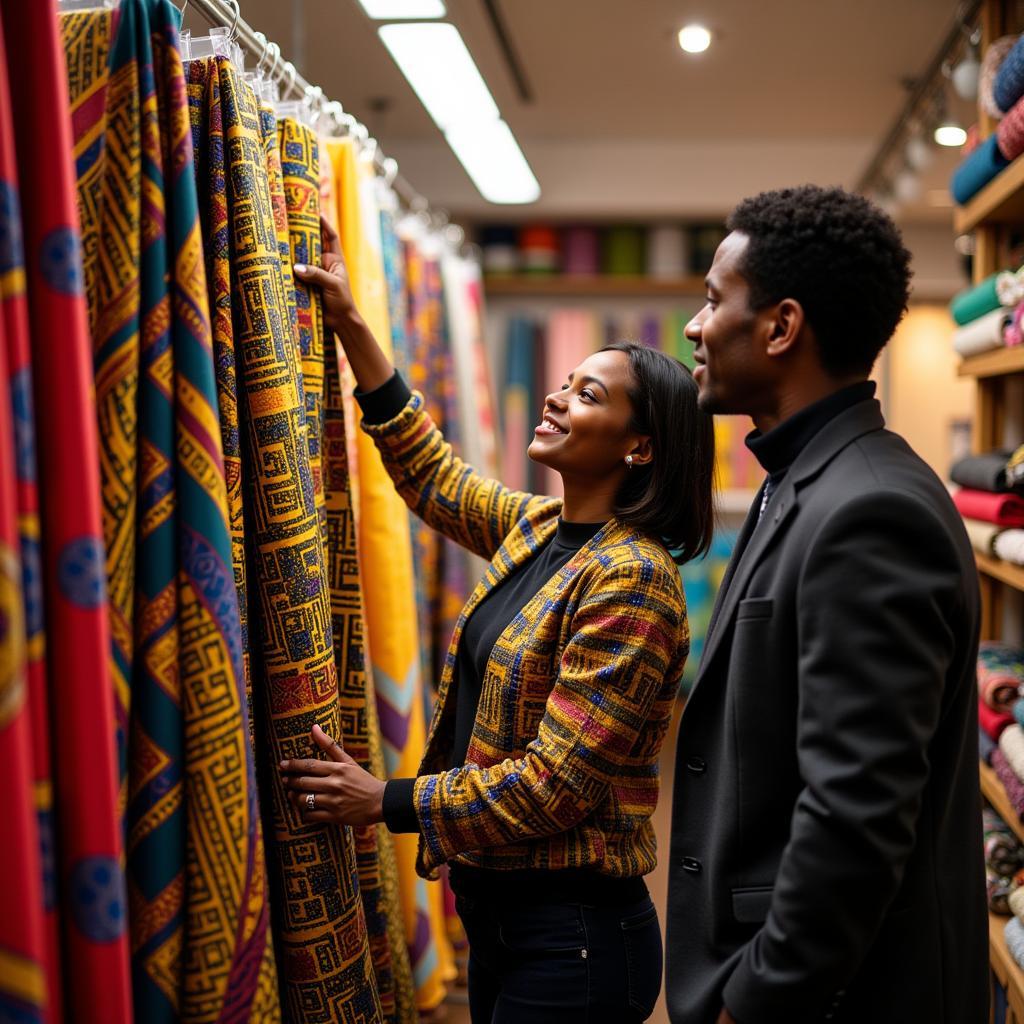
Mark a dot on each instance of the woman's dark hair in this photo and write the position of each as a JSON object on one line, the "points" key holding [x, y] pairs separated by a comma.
{"points": [[671, 496]]}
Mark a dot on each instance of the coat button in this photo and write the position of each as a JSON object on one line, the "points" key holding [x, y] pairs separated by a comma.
{"points": [[691, 864], [697, 765]]}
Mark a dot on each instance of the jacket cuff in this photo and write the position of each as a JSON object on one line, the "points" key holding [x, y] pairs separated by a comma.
{"points": [[399, 806], [386, 402]]}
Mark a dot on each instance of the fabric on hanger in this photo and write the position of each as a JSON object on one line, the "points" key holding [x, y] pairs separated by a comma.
{"points": [[70, 693], [29, 953], [388, 584], [325, 969], [981, 335], [378, 880], [520, 414], [30, 964], [199, 906]]}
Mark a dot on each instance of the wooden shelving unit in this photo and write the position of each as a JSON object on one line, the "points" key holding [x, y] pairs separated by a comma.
{"points": [[1001, 362], [996, 569], [1005, 968], [1000, 202], [594, 285]]}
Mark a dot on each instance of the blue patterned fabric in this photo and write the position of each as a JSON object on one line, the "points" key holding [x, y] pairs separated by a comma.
{"points": [[984, 164], [1008, 86]]}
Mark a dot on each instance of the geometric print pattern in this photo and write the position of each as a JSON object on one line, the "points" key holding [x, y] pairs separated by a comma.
{"points": [[198, 891], [325, 972]]}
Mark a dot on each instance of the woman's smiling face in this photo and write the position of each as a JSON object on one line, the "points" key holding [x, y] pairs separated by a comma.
{"points": [[585, 426]]}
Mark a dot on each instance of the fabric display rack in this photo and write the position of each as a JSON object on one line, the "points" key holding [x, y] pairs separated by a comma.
{"points": [[201, 555], [988, 320]]}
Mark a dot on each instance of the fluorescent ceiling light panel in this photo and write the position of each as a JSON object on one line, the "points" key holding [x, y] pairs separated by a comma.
{"points": [[442, 73], [493, 159], [396, 10]]}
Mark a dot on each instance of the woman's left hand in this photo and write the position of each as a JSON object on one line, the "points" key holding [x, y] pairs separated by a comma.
{"points": [[343, 793]]}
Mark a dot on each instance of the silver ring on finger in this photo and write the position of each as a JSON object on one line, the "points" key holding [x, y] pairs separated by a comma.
{"points": [[311, 801]]}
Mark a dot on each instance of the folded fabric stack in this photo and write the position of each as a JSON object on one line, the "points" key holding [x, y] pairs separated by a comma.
{"points": [[985, 313], [990, 515], [1002, 89], [1000, 675]]}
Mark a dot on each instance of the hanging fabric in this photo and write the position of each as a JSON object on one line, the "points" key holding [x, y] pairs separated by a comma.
{"points": [[389, 589], [326, 973], [29, 953], [70, 691], [197, 877]]}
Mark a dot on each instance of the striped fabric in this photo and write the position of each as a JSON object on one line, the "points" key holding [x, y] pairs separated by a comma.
{"points": [[325, 969], [388, 583], [562, 766]]}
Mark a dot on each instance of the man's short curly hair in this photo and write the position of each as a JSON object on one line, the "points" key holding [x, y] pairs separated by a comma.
{"points": [[836, 254]]}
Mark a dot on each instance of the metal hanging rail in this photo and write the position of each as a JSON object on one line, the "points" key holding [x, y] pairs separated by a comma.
{"points": [[226, 13]]}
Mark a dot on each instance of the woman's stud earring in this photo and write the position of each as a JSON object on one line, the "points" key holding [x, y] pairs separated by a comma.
{"points": [[629, 462]]}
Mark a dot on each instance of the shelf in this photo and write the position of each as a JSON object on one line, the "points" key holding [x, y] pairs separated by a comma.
{"points": [[595, 285], [1001, 201], [992, 790], [1006, 572], [1004, 967], [997, 363]]}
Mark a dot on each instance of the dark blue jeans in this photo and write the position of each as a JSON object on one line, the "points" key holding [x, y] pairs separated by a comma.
{"points": [[561, 963]]}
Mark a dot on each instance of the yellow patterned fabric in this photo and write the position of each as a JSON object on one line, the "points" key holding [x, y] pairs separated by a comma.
{"points": [[562, 766], [325, 969], [385, 554]]}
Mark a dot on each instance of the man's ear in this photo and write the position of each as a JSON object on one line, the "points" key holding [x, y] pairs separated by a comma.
{"points": [[784, 327]]}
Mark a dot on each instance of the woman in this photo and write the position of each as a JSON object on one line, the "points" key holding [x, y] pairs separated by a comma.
{"points": [[541, 768]]}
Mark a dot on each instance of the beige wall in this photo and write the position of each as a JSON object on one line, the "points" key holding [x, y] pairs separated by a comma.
{"points": [[920, 390]]}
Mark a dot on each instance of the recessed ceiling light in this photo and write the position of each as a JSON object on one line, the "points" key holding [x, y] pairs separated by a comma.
{"points": [[950, 134], [493, 159], [694, 38], [397, 10]]}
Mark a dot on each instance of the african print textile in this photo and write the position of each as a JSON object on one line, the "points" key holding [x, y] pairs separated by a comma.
{"points": [[27, 950], [325, 969], [388, 583], [201, 946], [70, 696]]}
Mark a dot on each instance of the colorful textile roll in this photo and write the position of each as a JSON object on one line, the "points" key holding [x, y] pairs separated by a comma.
{"points": [[993, 57], [1010, 780], [977, 170], [538, 250], [976, 301], [1013, 332], [998, 890], [981, 535], [388, 582], [992, 721], [1008, 86], [325, 968], [1003, 851], [499, 251], [30, 987], [668, 251], [622, 250], [520, 407], [1010, 132], [1016, 901], [983, 334], [1005, 510], [1009, 546], [986, 472], [985, 746], [1011, 743], [1014, 933], [1000, 674], [581, 251]]}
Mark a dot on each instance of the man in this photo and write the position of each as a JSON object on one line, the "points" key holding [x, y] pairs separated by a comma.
{"points": [[826, 859]]}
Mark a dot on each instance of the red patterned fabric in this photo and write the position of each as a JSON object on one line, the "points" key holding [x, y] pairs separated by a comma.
{"points": [[81, 711], [991, 720], [1010, 133]]}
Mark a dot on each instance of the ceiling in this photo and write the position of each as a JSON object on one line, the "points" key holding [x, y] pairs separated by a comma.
{"points": [[622, 122]]}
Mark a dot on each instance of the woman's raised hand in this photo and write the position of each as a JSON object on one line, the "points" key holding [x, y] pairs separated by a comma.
{"points": [[332, 280]]}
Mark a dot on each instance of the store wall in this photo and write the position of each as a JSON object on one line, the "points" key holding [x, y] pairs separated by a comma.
{"points": [[923, 398]]}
